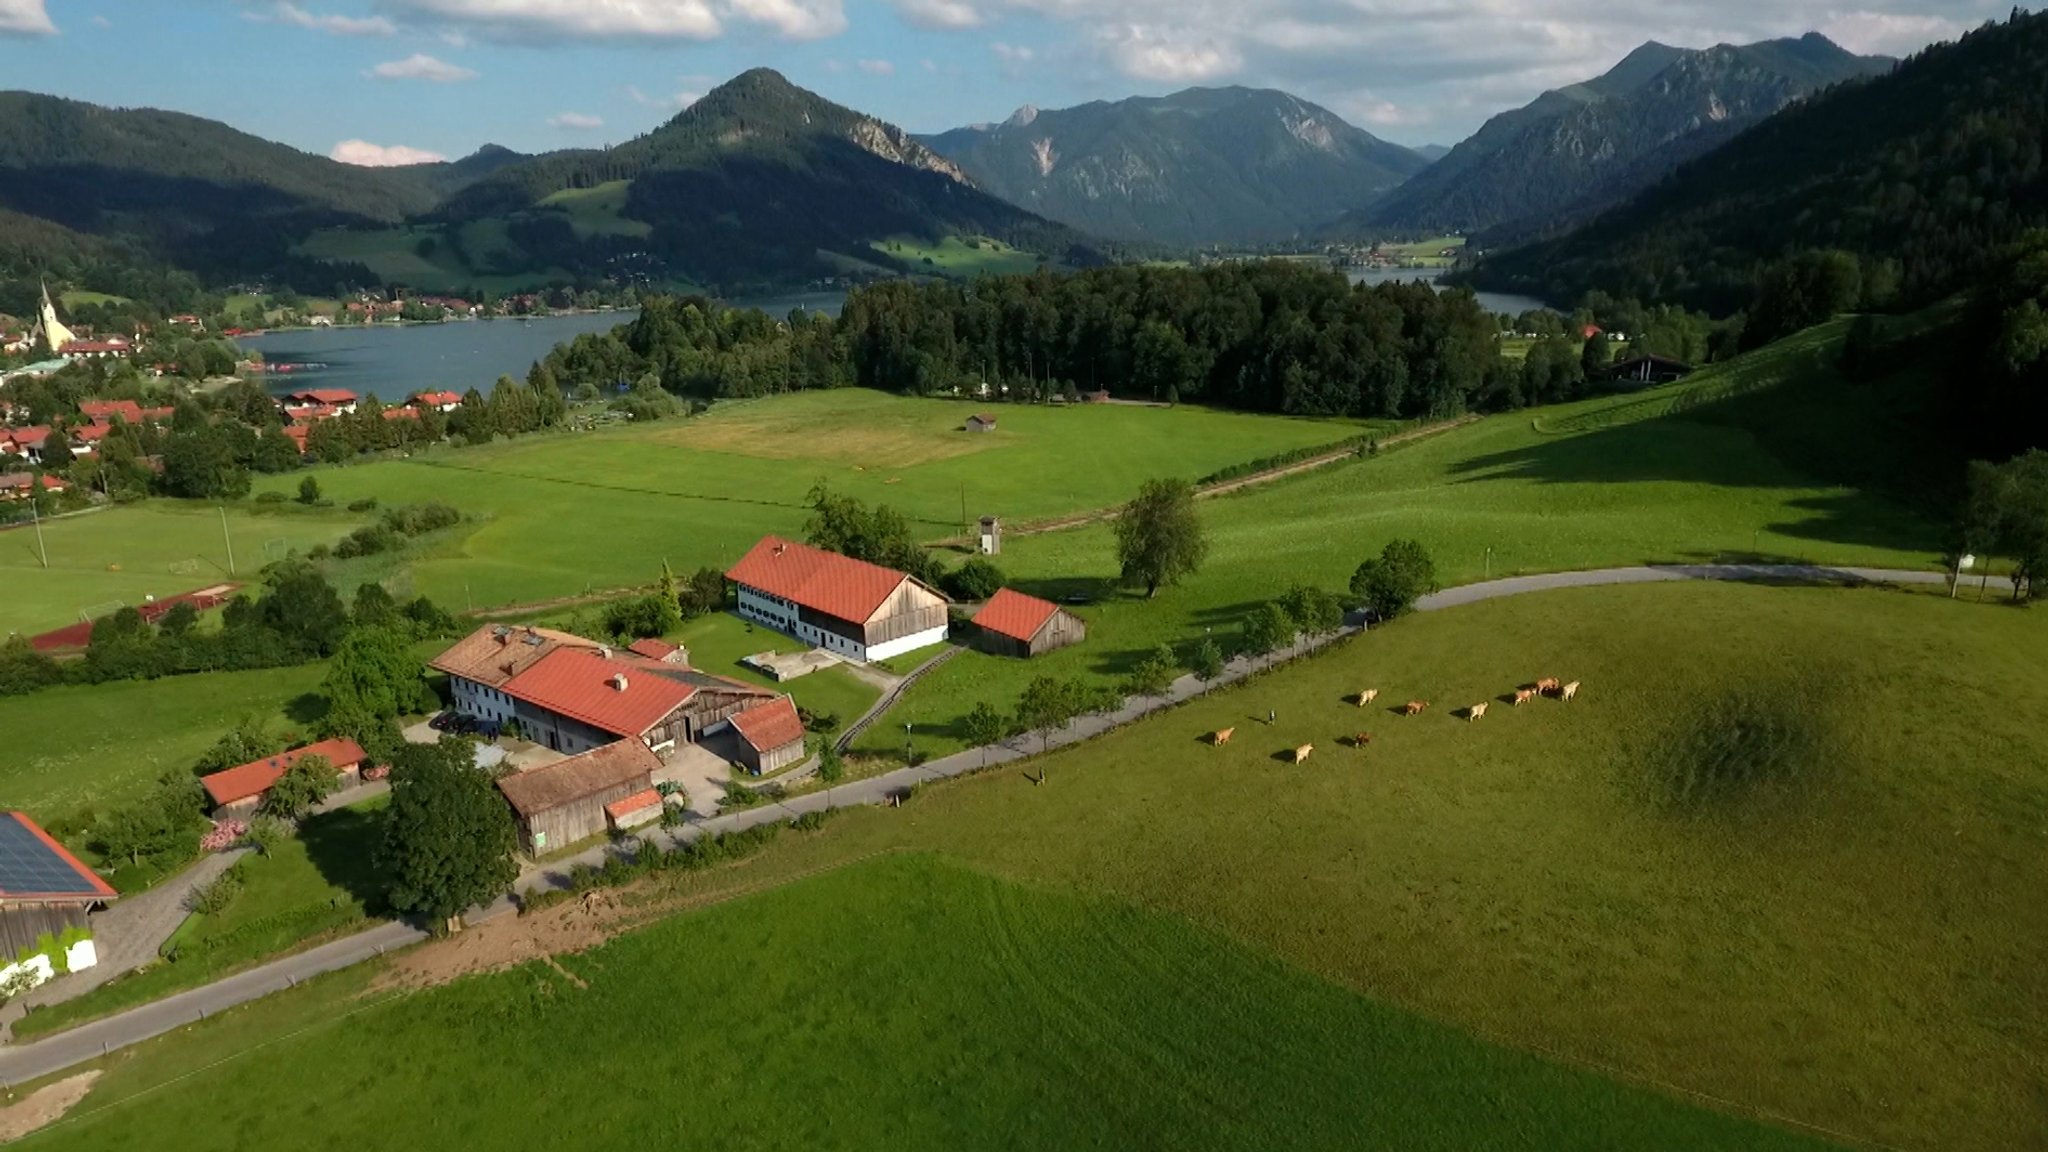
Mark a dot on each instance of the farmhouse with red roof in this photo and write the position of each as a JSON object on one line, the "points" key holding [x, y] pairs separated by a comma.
{"points": [[849, 607], [1013, 624], [241, 789]]}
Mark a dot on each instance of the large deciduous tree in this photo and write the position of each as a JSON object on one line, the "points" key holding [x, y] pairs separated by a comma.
{"points": [[1393, 581], [308, 781], [448, 835], [1159, 537]]}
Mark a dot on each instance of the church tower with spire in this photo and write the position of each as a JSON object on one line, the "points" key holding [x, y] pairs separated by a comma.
{"points": [[54, 335]]}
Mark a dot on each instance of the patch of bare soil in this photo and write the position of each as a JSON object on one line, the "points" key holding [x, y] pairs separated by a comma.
{"points": [[44, 1106]]}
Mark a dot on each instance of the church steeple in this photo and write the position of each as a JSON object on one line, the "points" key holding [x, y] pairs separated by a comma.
{"points": [[52, 330]]}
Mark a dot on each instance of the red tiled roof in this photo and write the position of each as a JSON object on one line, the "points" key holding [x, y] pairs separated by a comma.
{"points": [[32, 436], [9, 481], [772, 725], [88, 886], [638, 802], [324, 395], [255, 777], [401, 413], [312, 413], [1014, 614], [103, 410], [982, 418], [82, 347], [92, 433], [580, 684], [567, 781], [653, 649], [436, 399], [839, 586]]}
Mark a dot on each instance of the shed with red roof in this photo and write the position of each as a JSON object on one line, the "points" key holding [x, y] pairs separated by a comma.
{"points": [[849, 607], [771, 736], [46, 894], [241, 789], [1013, 624], [565, 802]]}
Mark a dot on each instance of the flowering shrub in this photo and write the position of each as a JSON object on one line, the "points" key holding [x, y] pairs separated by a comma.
{"points": [[377, 773], [225, 835]]}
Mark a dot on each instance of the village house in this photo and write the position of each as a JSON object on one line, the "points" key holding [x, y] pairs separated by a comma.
{"points": [[339, 400], [111, 348], [571, 695], [26, 443], [562, 803], [135, 415], [438, 401], [857, 610], [771, 737], [239, 791], [1013, 624], [21, 485], [46, 897]]}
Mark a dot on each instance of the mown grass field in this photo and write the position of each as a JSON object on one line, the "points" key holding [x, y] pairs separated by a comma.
{"points": [[963, 255], [157, 548], [1655, 477], [393, 254], [718, 643], [598, 211], [1428, 252], [903, 1003], [1784, 851], [315, 885], [77, 747], [601, 510]]}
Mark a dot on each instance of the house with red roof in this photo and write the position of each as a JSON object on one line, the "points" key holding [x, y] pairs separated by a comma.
{"points": [[438, 401], [240, 790], [46, 897], [854, 609], [26, 443], [1013, 624], [22, 485], [771, 737], [337, 399]]}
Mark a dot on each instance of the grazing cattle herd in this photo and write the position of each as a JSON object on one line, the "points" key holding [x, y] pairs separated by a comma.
{"points": [[1547, 686]]}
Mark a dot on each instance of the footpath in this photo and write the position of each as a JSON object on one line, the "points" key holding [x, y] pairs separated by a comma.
{"points": [[24, 1062]]}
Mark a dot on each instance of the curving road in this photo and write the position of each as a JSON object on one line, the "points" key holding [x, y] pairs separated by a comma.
{"points": [[23, 1062]]}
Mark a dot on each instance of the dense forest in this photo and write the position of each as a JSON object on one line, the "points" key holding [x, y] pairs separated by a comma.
{"points": [[1272, 337], [1928, 170]]}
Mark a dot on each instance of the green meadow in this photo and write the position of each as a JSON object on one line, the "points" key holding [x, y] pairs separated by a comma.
{"points": [[1774, 874], [908, 1003], [134, 551], [963, 255], [566, 513], [1674, 475], [598, 211]]}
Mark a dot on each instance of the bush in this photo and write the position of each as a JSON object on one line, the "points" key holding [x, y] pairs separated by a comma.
{"points": [[213, 897], [809, 821], [367, 504], [271, 498], [977, 579], [831, 765], [1357, 445]]}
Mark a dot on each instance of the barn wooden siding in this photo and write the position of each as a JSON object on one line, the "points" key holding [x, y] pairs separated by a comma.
{"points": [[911, 609], [579, 819], [21, 925]]}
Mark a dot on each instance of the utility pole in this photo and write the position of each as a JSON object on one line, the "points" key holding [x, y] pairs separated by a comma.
{"points": [[36, 514], [229, 540]]}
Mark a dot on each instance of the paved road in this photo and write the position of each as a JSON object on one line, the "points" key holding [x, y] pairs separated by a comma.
{"points": [[29, 1061]]}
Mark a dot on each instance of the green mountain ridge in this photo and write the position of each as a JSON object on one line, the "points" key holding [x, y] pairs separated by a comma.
{"points": [[1202, 166], [1576, 150], [1932, 168], [758, 182]]}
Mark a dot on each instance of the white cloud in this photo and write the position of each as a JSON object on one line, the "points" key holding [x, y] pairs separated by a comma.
{"points": [[368, 155], [420, 66], [941, 13], [576, 122], [928, 64], [1011, 53], [876, 67], [1170, 54], [1879, 33], [297, 17], [547, 20], [102, 22], [25, 18], [675, 103]]}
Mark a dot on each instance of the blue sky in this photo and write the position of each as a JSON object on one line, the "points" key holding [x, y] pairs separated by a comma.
{"points": [[371, 80]]}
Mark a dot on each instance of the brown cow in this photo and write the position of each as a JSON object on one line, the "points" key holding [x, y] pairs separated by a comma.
{"points": [[1523, 696], [1570, 690], [1368, 696], [1547, 685], [1302, 752], [1361, 739], [1414, 707], [1222, 736], [1474, 712]]}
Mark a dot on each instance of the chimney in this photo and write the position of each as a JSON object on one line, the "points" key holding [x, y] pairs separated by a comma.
{"points": [[619, 682], [604, 652]]}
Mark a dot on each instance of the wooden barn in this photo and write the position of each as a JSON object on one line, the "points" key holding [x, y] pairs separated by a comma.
{"points": [[1649, 370], [564, 802], [980, 422], [46, 895], [1013, 624], [771, 737], [848, 607], [239, 791]]}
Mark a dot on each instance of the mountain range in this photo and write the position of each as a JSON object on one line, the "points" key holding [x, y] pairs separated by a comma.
{"points": [[1560, 159], [1923, 175], [1200, 167]]}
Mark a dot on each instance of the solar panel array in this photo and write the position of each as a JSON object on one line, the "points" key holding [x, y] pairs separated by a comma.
{"points": [[27, 865]]}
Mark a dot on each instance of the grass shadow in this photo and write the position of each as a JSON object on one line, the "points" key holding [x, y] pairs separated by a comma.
{"points": [[307, 708], [341, 845]]}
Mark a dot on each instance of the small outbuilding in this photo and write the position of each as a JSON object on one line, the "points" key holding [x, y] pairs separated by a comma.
{"points": [[1649, 370], [640, 808], [562, 803], [240, 790], [980, 422], [1013, 624], [771, 737]]}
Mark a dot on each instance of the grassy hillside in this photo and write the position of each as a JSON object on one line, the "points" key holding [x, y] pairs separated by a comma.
{"points": [[603, 510], [1782, 853]]}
